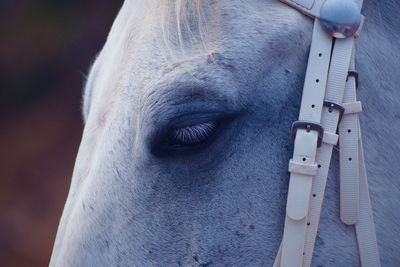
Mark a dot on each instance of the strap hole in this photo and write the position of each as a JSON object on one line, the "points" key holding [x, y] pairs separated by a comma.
{"points": [[319, 165], [314, 195], [349, 130], [317, 80], [304, 159], [350, 159], [320, 54], [313, 106], [308, 223]]}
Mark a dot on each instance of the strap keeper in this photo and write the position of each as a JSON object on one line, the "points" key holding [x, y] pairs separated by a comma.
{"points": [[353, 107], [330, 138], [302, 168]]}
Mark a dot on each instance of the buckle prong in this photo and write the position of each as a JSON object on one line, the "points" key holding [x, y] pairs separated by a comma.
{"points": [[332, 106]]}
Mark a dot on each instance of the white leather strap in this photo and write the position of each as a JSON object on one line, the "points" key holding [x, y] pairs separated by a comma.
{"points": [[365, 227], [363, 219], [305, 147], [339, 66], [277, 262], [312, 8], [311, 107], [329, 120], [348, 156], [307, 7]]}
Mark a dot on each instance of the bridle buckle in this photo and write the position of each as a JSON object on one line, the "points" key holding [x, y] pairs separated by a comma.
{"points": [[308, 126], [332, 106]]}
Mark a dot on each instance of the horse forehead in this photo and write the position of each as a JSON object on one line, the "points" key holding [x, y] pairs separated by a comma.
{"points": [[235, 39], [227, 23]]}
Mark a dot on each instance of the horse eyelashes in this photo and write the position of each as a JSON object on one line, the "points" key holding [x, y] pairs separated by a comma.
{"points": [[189, 134], [193, 135]]}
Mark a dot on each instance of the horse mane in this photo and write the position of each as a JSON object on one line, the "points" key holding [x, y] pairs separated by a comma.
{"points": [[187, 20]]}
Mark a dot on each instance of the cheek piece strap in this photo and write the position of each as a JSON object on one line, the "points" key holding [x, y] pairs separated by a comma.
{"points": [[328, 107]]}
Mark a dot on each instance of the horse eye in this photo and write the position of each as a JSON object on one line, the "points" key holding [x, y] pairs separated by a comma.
{"points": [[192, 135]]}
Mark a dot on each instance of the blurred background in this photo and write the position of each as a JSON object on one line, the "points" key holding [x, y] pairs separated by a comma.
{"points": [[46, 48]]}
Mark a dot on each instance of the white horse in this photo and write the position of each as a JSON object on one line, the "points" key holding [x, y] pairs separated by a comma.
{"points": [[183, 159]]}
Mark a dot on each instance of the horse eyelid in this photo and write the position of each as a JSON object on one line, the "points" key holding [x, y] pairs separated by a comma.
{"points": [[192, 135]]}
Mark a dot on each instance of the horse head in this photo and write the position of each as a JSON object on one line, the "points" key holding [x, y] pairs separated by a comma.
{"points": [[183, 159]]}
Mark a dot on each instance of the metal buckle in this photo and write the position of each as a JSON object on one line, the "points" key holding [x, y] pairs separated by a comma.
{"points": [[332, 106], [353, 73], [308, 126]]}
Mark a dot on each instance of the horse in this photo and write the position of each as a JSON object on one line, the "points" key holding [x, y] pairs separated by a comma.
{"points": [[184, 153]]}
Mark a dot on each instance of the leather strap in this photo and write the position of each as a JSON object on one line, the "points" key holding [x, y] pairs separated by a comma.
{"points": [[305, 147], [334, 92], [365, 227], [348, 156], [357, 193], [312, 8], [308, 7], [329, 120]]}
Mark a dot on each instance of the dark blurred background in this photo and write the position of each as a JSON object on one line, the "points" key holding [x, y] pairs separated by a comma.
{"points": [[46, 47]]}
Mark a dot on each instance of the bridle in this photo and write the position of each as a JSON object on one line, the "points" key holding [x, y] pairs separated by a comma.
{"points": [[328, 114]]}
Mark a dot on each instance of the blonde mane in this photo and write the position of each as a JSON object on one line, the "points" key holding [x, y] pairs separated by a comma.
{"points": [[183, 23]]}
